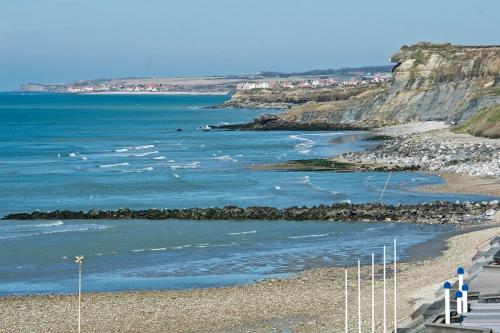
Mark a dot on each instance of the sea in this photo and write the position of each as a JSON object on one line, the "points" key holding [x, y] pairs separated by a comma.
{"points": [[83, 152]]}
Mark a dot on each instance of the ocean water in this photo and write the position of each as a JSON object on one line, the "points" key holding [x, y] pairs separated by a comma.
{"points": [[83, 152], [38, 256]]}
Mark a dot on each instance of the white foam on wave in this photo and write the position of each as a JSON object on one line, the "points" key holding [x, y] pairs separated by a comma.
{"points": [[192, 165], [225, 158], [51, 224], [181, 247], [277, 187], [159, 158], [308, 236], [242, 232], [305, 145], [139, 250], [113, 165], [122, 150], [55, 231], [139, 170], [73, 154], [158, 249], [176, 175], [146, 154], [307, 181], [142, 147]]}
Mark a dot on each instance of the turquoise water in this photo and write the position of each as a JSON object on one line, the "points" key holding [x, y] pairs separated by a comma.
{"points": [[84, 152]]}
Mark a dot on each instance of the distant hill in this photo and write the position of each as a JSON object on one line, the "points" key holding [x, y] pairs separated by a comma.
{"points": [[341, 71]]}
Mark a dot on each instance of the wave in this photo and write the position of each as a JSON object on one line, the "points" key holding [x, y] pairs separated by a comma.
{"points": [[242, 232], [304, 147], [308, 236], [307, 181], [141, 147], [159, 158], [181, 247], [192, 165], [225, 158], [139, 170], [158, 249], [122, 150], [139, 250], [73, 154], [51, 224], [112, 165], [56, 231], [146, 154]]}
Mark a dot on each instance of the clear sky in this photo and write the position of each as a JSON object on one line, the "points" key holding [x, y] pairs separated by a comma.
{"points": [[67, 40]]}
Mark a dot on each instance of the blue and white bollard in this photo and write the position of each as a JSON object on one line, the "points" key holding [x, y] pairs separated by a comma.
{"points": [[447, 287], [460, 272], [465, 289], [458, 295]]}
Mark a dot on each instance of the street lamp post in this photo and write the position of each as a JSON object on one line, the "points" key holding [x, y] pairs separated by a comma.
{"points": [[79, 261]]}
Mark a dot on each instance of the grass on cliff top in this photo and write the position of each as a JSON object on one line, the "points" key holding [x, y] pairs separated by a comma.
{"points": [[485, 123]]}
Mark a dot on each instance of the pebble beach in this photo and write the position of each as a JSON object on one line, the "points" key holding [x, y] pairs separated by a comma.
{"points": [[311, 301]]}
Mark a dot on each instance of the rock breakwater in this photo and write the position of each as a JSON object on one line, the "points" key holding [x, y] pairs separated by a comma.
{"points": [[439, 212]]}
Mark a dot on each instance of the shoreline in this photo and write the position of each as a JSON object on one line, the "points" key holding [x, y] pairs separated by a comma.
{"points": [[301, 302], [461, 183], [189, 93]]}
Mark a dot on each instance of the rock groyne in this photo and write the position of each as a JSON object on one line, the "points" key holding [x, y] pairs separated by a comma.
{"points": [[439, 212]]}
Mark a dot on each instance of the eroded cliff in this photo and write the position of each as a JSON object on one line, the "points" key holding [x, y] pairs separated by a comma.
{"points": [[429, 82]]}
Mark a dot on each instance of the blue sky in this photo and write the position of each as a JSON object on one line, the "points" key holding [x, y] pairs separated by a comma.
{"points": [[66, 40]]}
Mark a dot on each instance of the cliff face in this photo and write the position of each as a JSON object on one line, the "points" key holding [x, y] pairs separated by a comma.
{"points": [[429, 82]]}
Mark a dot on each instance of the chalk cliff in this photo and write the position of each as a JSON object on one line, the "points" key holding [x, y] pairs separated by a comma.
{"points": [[429, 82]]}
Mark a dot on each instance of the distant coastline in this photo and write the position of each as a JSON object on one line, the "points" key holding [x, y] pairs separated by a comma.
{"points": [[211, 93]]}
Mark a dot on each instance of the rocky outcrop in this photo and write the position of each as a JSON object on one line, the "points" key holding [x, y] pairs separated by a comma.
{"points": [[438, 150], [429, 82], [281, 98], [432, 213], [272, 122]]}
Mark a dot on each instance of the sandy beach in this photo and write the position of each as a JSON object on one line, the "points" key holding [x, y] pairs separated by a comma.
{"points": [[311, 301], [460, 183]]}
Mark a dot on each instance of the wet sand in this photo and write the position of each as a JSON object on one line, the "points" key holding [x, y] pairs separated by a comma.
{"points": [[311, 301], [460, 183]]}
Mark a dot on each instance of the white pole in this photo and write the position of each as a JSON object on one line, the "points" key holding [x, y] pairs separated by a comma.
{"points": [[458, 294], [460, 272], [346, 301], [359, 296], [79, 261], [385, 186], [373, 293], [385, 300], [465, 290], [447, 287], [79, 296], [395, 290]]}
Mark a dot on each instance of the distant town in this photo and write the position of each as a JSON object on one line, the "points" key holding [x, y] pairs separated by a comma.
{"points": [[219, 85], [314, 83]]}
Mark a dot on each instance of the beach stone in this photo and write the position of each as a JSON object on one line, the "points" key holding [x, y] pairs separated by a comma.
{"points": [[490, 212]]}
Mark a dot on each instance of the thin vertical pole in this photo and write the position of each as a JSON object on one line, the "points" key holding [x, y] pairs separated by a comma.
{"points": [[385, 299], [373, 293], [346, 301], [395, 290], [79, 295], [385, 186], [359, 296]]}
